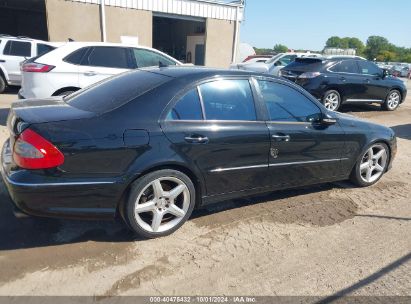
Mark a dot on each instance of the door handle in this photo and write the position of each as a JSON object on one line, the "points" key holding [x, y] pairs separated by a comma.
{"points": [[281, 137], [89, 73], [1, 60], [196, 139], [342, 78]]}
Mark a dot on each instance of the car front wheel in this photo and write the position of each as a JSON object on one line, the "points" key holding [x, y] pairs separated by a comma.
{"points": [[372, 165], [159, 203], [393, 100], [332, 100]]}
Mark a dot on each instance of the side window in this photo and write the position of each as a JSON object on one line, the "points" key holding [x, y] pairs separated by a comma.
{"points": [[146, 58], [187, 108], [109, 57], [228, 100], [346, 66], [287, 60], [368, 68], [287, 104], [17, 48], [43, 49], [77, 56]]}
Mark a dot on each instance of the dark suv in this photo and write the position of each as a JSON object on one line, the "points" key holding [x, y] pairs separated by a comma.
{"points": [[343, 80]]}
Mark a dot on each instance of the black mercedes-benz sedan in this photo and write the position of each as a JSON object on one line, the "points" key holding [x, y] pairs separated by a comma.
{"points": [[339, 81], [152, 145]]}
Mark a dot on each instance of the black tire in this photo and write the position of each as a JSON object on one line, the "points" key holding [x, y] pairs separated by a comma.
{"points": [[332, 100], [356, 175], [390, 105], [65, 93], [3, 84], [136, 221]]}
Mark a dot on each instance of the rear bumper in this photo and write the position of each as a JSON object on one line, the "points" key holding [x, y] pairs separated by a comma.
{"points": [[38, 195]]}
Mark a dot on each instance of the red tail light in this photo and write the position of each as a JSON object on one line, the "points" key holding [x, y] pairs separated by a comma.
{"points": [[36, 67], [32, 151]]}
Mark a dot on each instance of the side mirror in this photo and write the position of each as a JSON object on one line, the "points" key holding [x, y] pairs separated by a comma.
{"points": [[327, 120], [385, 73]]}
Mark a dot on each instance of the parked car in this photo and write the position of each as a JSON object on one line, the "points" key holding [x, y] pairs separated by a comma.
{"points": [[257, 58], [273, 65], [403, 71], [343, 57], [341, 81], [77, 65], [14, 50], [153, 144]]}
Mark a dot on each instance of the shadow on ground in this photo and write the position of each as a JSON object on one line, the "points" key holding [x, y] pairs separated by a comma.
{"points": [[3, 116], [35, 232], [403, 131], [367, 281]]}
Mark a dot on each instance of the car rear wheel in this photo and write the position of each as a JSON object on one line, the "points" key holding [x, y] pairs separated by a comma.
{"points": [[159, 203], [372, 165], [2, 84], [393, 100], [332, 100]]}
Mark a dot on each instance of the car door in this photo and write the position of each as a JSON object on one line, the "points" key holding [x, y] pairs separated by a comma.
{"points": [[15, 52], [303, 151], [345, 77], [372, 77], [101, 62], [215, 127]]}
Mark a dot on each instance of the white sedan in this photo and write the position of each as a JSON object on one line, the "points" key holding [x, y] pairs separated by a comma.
{"points": [[76, 65]]}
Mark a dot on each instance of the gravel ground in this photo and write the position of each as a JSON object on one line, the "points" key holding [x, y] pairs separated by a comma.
{"points": [[326, 240]]}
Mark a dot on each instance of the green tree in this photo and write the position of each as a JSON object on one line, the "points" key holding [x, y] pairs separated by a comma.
{"points": [[355, 43], [375, 46], [386, 56], [280, 48], [333, 41]]}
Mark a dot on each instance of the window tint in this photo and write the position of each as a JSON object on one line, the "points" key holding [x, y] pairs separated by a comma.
{"points": [[146, 58], [110, 57], [367, 67], [346, 66], [43, 49], [187, 108], [287, 104], [113, 92], [76, 56], [228, 100], [287, 59], [17, 48]]}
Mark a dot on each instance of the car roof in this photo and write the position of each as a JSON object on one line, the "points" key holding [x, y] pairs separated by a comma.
{"points": [[79, 44], [23, 38], [200, 72]]}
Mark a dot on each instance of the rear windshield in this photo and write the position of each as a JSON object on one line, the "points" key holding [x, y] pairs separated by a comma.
{"points": [[115, 91], [306, 64]]}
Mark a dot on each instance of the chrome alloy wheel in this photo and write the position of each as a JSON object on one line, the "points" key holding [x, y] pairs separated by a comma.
{"points": [[162, 204], [373, 163], [393, 100], [331, 101]]}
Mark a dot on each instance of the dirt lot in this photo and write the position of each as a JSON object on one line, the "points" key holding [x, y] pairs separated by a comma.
{"points": [[325, 240]]}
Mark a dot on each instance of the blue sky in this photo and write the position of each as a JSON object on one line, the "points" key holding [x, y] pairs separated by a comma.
{"points": [[307, 24]]}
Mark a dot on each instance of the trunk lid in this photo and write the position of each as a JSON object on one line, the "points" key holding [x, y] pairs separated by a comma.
{"points": [[33, 111]]}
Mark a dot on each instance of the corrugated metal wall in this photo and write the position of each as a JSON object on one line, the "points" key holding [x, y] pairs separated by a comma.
{"points": [[197, 8]]}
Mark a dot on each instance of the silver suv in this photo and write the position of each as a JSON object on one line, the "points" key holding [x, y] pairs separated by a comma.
{"points": [[14, 50]]}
